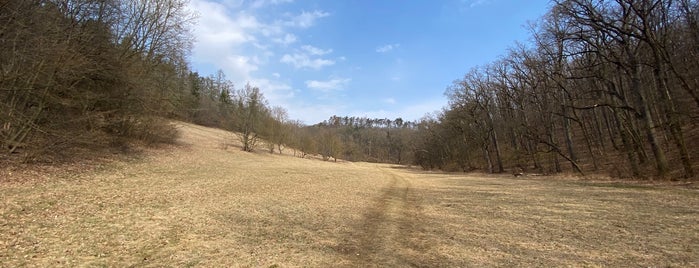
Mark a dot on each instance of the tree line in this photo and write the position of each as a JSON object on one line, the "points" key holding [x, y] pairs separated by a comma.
{"points": [[607, 87], [364, 139]]}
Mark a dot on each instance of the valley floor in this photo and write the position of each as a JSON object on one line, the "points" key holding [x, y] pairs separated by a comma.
{"points": [[205, 204]]}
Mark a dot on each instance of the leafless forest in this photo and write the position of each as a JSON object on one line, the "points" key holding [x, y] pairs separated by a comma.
{"points": [[609, 86], [605, 87]]}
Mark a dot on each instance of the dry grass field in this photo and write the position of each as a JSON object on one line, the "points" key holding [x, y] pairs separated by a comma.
{"points": [[198, 204]]}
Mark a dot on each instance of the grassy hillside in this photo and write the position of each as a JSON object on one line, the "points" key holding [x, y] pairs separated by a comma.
{"points": [[202, 204]]}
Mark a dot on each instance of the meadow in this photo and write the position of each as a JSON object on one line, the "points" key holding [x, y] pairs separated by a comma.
{"points": [[204, 202]]}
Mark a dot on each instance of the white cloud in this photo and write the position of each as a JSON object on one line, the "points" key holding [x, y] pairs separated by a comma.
{"points": [[387, 48], [216, 27], [221, 40], [302, 60], [229, 32], [316, 51], [286, 40], [390, 100], [306, 19], [244, 65], [276, 92], [328, 85]]}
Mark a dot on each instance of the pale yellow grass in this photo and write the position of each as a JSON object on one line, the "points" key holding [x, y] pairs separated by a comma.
{"points": [[198, 204]]}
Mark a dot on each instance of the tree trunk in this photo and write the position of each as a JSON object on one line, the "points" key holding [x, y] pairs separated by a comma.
{"points": [[588, 142], [567, 133], [552, 145], [628, 147], [647, 119], [674, 122], [494, 138], [486, 154]]}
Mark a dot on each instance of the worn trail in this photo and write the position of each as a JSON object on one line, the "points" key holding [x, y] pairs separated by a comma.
{"points": [[389, 231]]}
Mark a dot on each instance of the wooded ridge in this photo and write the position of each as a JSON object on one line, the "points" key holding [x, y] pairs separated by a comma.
{"points": [[605, 87]]}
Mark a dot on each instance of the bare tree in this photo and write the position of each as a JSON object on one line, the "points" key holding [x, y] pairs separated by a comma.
{"points": [[279, 128], [251, 111]]}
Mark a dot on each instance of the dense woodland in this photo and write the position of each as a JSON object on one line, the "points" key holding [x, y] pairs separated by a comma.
{"points": [[89, 75], [608, 87], [605, 87]]}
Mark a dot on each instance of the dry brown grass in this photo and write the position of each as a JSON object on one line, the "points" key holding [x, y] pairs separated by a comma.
{"points": [[199, 205]]}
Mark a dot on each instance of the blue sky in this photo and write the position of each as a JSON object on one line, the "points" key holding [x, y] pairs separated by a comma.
{"points": [[380, 59]]}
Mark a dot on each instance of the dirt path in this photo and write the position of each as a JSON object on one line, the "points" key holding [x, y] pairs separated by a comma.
{"points": [[389, 232]]}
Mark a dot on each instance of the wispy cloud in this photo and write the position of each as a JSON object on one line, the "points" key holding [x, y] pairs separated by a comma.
{"points": [[306, 19], [301, 60], [316, 51], [275, 91], [308, 57], [328, 85], [287, 39], [387, 48]]}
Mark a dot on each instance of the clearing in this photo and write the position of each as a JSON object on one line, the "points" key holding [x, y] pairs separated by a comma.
{"points": [[198, 204]]}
